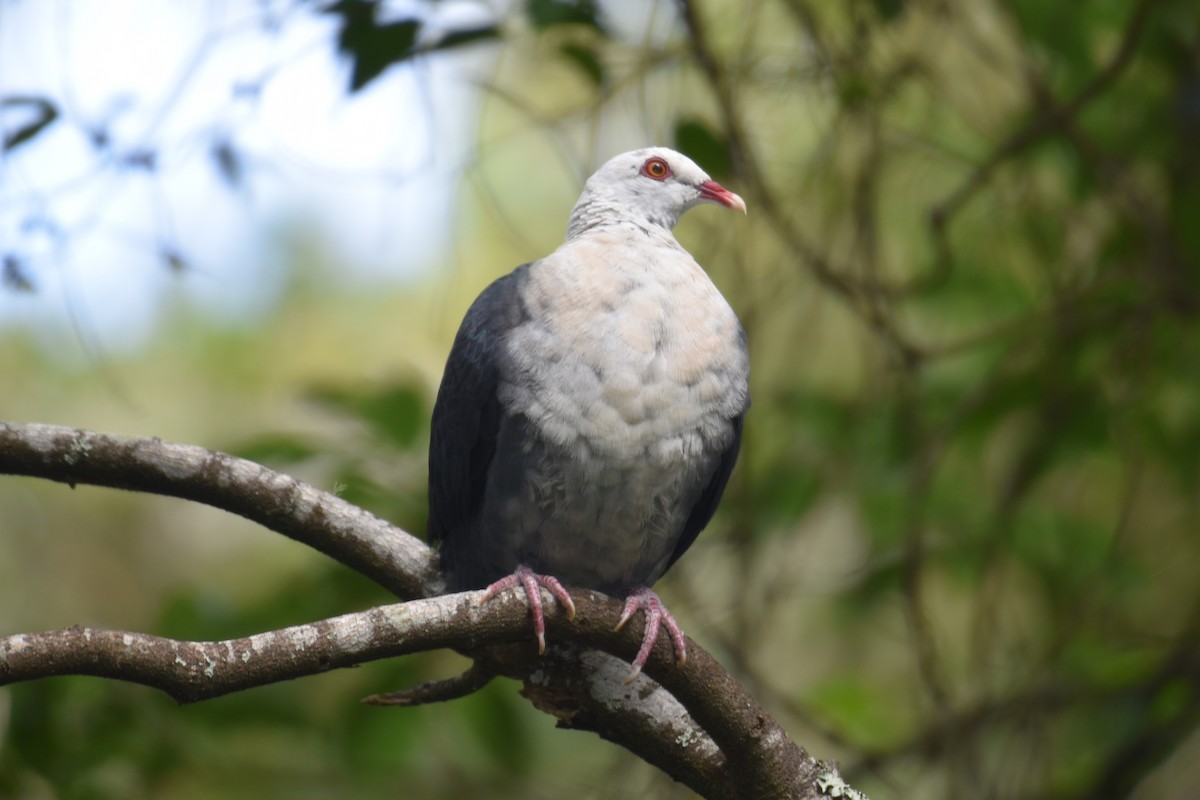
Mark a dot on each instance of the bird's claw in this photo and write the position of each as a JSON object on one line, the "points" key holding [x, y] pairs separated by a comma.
{"points": [[532, 583], [657, 615]]}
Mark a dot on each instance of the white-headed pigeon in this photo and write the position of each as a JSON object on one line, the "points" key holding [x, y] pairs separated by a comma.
{"points": [[592, 404]]}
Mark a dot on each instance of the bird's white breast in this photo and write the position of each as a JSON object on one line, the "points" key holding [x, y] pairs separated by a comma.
{"points": [[629, 353]]}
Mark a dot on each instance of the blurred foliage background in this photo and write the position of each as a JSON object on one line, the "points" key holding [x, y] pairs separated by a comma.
{"points": [[960, 551]]}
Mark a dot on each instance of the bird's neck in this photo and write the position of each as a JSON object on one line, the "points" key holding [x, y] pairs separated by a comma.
{"points": [[593, 213]]}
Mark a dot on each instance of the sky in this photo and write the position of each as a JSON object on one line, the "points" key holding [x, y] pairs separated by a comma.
{"points": [[373, 174]]}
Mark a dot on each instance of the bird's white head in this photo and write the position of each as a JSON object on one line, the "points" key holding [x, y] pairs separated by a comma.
{"points": [[653, 187]]}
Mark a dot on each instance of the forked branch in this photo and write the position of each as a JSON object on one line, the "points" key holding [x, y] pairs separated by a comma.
{"points": [[695, 722]]}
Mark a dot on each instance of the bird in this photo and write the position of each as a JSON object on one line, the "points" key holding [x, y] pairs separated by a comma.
{"points": [[592, 406]]}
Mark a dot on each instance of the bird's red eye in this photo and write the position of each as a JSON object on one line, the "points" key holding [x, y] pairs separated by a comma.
{"points": [[656, 168]]}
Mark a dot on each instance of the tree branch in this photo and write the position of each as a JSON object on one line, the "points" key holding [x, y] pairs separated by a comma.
{"points": [[472, 680], [346, 533], [696, 723], [859, 297], [1052, 119], [192, 671]]}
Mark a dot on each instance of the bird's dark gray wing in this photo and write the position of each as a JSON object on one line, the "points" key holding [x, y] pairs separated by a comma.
{"points": [[467, 414], [710, 497]]}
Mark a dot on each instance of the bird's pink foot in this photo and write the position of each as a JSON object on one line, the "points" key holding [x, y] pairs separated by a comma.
{"points": [[532, 583], [648, 602]]}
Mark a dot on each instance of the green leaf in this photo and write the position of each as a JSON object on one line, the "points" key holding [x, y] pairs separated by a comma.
{"points": [[395, 413], [174, 260], [374, 46], [889, 9], [496, 721], [382, 744], [585, 58], [15, 276], [305, 596], [853, 90], [352, 484], [787, 495], [857, 709], [275, 449], [371, 46], [1174, 700], [550, 13], [464, 36], [44, 112], [228, 162], [1091, 660], [699, 142], [1066, 38]]}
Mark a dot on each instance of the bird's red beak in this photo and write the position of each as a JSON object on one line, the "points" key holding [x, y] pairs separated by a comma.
{"points": [[716, 193]]}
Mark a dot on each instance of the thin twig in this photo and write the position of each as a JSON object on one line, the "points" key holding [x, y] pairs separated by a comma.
{"points": [[470, 681]]}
